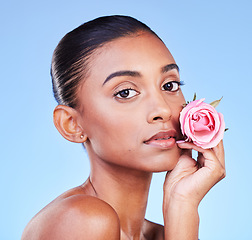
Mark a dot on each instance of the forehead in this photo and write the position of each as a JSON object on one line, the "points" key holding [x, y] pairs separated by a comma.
{"points": [[143, 53]]}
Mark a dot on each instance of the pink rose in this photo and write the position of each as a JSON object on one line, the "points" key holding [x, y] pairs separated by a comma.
{"points": [[202, 124]]}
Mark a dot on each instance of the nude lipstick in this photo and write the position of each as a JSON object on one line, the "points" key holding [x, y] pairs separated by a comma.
{"points": [[163, 139]]}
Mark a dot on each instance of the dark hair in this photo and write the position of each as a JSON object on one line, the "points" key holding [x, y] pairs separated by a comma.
{"points": [[71, 56]]}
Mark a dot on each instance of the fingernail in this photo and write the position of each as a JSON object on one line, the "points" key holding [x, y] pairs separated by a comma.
{"points": [[180, 141]]}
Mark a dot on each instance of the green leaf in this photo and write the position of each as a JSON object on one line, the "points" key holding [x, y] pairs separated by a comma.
{"points": [[215, 103], [194, 97]]}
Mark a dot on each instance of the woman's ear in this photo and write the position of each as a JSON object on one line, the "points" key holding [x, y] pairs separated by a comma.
{"points": [[66, 120]]}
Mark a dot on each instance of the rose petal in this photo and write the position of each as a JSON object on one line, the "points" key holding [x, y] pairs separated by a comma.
{"points": [[218, 136], [204, 136]]}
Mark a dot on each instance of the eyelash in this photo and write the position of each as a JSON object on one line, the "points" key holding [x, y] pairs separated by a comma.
{"points": [[172, 82], [128, 90]]}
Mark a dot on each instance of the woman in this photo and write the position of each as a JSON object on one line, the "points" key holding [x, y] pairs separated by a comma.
{"points": [[118, 90]]}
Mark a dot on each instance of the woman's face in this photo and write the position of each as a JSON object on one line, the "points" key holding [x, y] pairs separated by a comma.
{"points": [[130, 105]]}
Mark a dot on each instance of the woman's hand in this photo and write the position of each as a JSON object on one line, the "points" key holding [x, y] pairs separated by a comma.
{"points": [[190, 180], [186, 185]]}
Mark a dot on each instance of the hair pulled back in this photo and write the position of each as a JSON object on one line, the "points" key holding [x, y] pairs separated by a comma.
{"points": [[70, 57]]}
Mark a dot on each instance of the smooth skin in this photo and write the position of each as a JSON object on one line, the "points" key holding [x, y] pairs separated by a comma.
{"points": [[117, 116]]}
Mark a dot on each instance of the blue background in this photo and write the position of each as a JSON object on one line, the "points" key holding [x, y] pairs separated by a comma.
{"points": [[211, 42]]}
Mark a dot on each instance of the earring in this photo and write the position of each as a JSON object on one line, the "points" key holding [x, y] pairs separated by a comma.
{"points": [[81, 136]]}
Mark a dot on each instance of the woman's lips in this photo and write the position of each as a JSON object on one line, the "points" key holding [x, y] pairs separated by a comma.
{"points": [[164, 139]]}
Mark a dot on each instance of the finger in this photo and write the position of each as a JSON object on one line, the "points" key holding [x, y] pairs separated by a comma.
{"points": [[200, 159], [204, 154], [187, 152], [190, 145], [210, 158], [220, 153]]}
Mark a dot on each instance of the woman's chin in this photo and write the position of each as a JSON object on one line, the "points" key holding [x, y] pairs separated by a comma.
{"points": [[166, 162]]}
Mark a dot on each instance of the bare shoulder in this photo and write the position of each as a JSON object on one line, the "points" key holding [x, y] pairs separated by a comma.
{"points": [[153, 231], [75, 217]]}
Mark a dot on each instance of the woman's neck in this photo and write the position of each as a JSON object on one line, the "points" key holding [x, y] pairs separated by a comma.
{"points": [[126, 190]]}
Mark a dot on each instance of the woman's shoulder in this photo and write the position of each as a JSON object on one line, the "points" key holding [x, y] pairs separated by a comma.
{"points": [[74, 216]]}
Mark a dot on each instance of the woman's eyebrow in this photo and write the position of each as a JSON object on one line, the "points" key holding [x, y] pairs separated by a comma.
{"points": [[129, 73], [169, 67], [122, 73]]}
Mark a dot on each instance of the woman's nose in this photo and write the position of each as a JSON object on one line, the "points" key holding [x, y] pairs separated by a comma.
{"points": [[158, 110]]}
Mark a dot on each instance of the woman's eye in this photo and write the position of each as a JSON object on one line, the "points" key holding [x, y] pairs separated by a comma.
{"points": [[171, 86], [126, 93]]}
